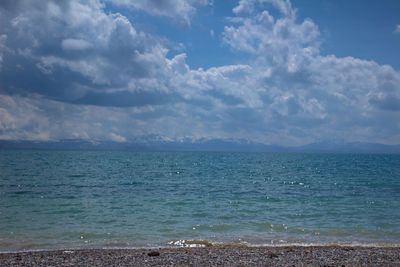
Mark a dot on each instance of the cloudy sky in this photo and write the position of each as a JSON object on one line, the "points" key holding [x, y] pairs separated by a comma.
{"points": [[271, 71]]}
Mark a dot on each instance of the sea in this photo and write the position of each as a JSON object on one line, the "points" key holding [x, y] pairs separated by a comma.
{"points": [[60, 199]]}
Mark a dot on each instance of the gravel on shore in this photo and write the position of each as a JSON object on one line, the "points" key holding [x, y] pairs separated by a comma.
{"points": [[210, 256]]}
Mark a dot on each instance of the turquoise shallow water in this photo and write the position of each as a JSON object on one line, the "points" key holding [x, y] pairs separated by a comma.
{"points": [[66, 199]]}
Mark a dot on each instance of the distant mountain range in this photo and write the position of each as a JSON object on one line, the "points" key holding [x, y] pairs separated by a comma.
{"points": [[157, 143]]}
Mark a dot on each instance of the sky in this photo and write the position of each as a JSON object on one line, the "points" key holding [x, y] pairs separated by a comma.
{"points": [[271, 71]]}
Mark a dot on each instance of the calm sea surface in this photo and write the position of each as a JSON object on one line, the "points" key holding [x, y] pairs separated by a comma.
{"points": [[68, 199]]}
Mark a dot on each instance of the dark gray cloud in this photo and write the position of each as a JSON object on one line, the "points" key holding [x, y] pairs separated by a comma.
{"points": [[73, 51], [128, 99], [391, 103]]}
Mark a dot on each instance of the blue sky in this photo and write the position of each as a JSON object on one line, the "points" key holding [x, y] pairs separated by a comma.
{"points": [[271, 71]]}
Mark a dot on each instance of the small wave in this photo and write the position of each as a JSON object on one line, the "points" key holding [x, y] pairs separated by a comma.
{"points": [[12, 247], [76, 175], [23, 192], [201, 243], [191, 243], [216, 227]]}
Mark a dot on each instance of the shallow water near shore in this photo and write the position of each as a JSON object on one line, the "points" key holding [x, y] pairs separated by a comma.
{"points": [[61, 199]]}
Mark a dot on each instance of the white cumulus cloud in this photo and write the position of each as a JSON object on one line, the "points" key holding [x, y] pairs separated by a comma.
{"points": [[182, 10]]}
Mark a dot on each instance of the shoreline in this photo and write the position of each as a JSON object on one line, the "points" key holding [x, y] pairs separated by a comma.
{"points": [[223, 255], [181, 244]]}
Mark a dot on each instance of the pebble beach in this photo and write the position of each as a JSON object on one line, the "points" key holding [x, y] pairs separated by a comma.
{"points": [[210, 256]]}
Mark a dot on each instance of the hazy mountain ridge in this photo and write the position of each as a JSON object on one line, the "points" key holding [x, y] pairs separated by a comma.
{"points": [[347, 147], [157, 143]]}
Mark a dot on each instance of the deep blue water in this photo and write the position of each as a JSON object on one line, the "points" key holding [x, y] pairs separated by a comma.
{"points": [[53, 199]]}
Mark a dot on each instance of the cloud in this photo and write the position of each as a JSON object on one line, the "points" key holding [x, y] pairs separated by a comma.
{"points": [[89, 73], [36, 118], [181, 10], [251, 6], [117, 138], [75, 44], [212, 33], [3, 38], [86, 51], [279, 39], [302, 88], [397, 30]]}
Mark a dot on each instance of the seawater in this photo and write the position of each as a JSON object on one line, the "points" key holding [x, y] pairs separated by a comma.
{"points": [[69, 199]]}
